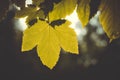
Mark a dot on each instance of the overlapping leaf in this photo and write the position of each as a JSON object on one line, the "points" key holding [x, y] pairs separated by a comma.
{"points": [[62, 9], [37, 2], [67, 38], [49, 40], [83, 11], [110, 18], [32, 12], [25, 12]]}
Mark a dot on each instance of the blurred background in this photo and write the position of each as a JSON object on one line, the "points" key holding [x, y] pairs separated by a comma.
{"points": [[99, 59]]}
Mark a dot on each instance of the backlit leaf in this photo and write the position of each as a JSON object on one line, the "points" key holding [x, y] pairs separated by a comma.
{"points": [[62, 9], [49, 41], [48, 48], [67, 37], [110, 17], [83, 11]]}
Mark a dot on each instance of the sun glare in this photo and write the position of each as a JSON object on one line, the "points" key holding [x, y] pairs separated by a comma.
{"points": [[75, 22], [28, 2], [20, 24], [95, 20], [73, 18]]}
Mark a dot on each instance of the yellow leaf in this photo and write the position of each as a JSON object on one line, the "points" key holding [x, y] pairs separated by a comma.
{"points": [[49, 41], [83, 11], [48, 48], [67, 37], [62, 9], [32, 35], [110, 18]]}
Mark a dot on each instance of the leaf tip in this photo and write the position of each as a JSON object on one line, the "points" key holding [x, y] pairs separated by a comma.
{"points": [[24, 49]]}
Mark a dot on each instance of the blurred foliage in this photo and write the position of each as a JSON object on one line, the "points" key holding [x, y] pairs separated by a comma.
{"points": [[110, 17]]}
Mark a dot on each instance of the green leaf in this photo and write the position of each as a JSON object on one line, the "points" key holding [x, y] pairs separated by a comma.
{"points": [[49, 41], [62, 9], [83, 11], [110, 18]]}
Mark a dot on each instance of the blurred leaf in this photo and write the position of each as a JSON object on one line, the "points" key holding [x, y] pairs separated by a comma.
{"points": [[37, 2], [62, 9], [34, 15], [110, 18], [83, 11], [4, 6], [20, 3], [31, 12], [25, 12], [49, 40]]}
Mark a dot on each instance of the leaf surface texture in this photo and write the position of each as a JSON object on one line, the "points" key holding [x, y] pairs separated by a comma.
{"points": [[49, 41], [83, 11], [110, 18], [62, 9]]}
